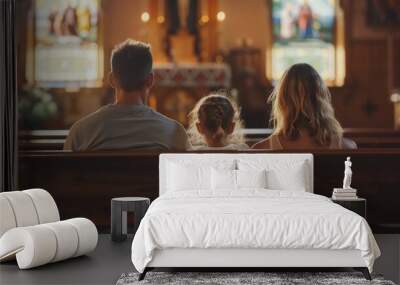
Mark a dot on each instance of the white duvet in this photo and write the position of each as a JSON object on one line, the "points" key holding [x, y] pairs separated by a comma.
{"points": [[250, 219]]}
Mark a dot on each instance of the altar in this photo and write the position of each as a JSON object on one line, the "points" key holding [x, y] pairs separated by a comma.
{"points": [[179, 86]]}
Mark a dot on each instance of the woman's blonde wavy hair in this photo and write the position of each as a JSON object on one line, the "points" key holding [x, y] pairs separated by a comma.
{"points": [[220, 100], [301, 100]]}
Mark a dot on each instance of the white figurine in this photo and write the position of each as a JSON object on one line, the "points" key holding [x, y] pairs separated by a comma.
{"points": [[347, 174]]}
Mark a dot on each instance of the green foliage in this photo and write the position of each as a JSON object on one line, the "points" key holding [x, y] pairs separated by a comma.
{"points": [[35, 106]]}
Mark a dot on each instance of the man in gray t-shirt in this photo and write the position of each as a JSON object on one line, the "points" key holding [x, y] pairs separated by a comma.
{"points": [[128, 123]]}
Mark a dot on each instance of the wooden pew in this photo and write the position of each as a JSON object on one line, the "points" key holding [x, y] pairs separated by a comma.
{"points": [[84, 183], [365, 138]]}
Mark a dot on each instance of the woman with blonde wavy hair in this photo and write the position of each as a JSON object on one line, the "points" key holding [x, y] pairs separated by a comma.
{"points": [[215, 124], [302, 113]]}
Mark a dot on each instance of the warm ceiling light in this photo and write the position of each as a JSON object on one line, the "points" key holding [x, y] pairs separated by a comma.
{"points": [[145, 17], [160, 19], [204, 19], [221, 16]]}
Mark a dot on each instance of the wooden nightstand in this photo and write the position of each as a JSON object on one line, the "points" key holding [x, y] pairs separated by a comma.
{"points": [[358, 205]]}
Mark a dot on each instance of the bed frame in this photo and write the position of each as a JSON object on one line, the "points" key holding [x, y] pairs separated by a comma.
{"points": [[242, 259]]}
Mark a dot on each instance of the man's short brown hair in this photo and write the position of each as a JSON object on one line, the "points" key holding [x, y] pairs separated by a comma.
{"points": [[131, 64]]}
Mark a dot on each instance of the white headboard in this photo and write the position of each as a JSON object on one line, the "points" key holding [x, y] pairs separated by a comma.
{"points": [[211, 158]]}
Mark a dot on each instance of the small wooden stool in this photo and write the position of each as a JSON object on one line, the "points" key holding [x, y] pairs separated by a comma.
{"points": [[119, 209]]}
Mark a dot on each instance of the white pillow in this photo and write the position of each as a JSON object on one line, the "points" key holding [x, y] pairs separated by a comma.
{"points": [[291, 179], [290, 176], [186, 178], [251, 178], [237, 179], [223, 179], [192, 174]]}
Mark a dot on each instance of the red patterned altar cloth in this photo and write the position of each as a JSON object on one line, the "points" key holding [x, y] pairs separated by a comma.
{"points": [[193, 75]]}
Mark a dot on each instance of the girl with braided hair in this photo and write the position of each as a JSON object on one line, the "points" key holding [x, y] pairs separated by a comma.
{"points": [[215, 124]]}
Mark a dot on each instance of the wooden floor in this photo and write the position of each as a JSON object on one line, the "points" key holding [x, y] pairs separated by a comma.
{"points": [[103, 266]]}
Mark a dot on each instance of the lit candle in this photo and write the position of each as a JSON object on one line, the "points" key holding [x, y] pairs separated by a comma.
{"points": [[204, 11], [160, 11]]}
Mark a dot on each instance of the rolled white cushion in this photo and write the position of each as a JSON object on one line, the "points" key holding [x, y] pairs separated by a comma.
{"points": [[67, 240], [7, 218], [37, 245], [33, 246], [45, 205], [87, 233], [23, 208]]}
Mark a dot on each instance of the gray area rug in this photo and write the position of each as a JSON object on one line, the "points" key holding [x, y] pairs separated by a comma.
{"points": [[269, 278]]}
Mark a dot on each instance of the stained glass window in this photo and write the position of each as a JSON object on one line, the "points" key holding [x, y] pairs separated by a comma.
{"points": [[66, 42], [306, 31]]}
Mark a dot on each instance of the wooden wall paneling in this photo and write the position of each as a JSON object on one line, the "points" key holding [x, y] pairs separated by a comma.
{"points": [[348, 23], [396, 62], [371, 103], [83, 184], [368, 72], [85, 188]]}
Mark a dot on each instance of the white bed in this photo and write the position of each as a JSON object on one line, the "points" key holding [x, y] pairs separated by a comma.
{"points": [[203, 220]]}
